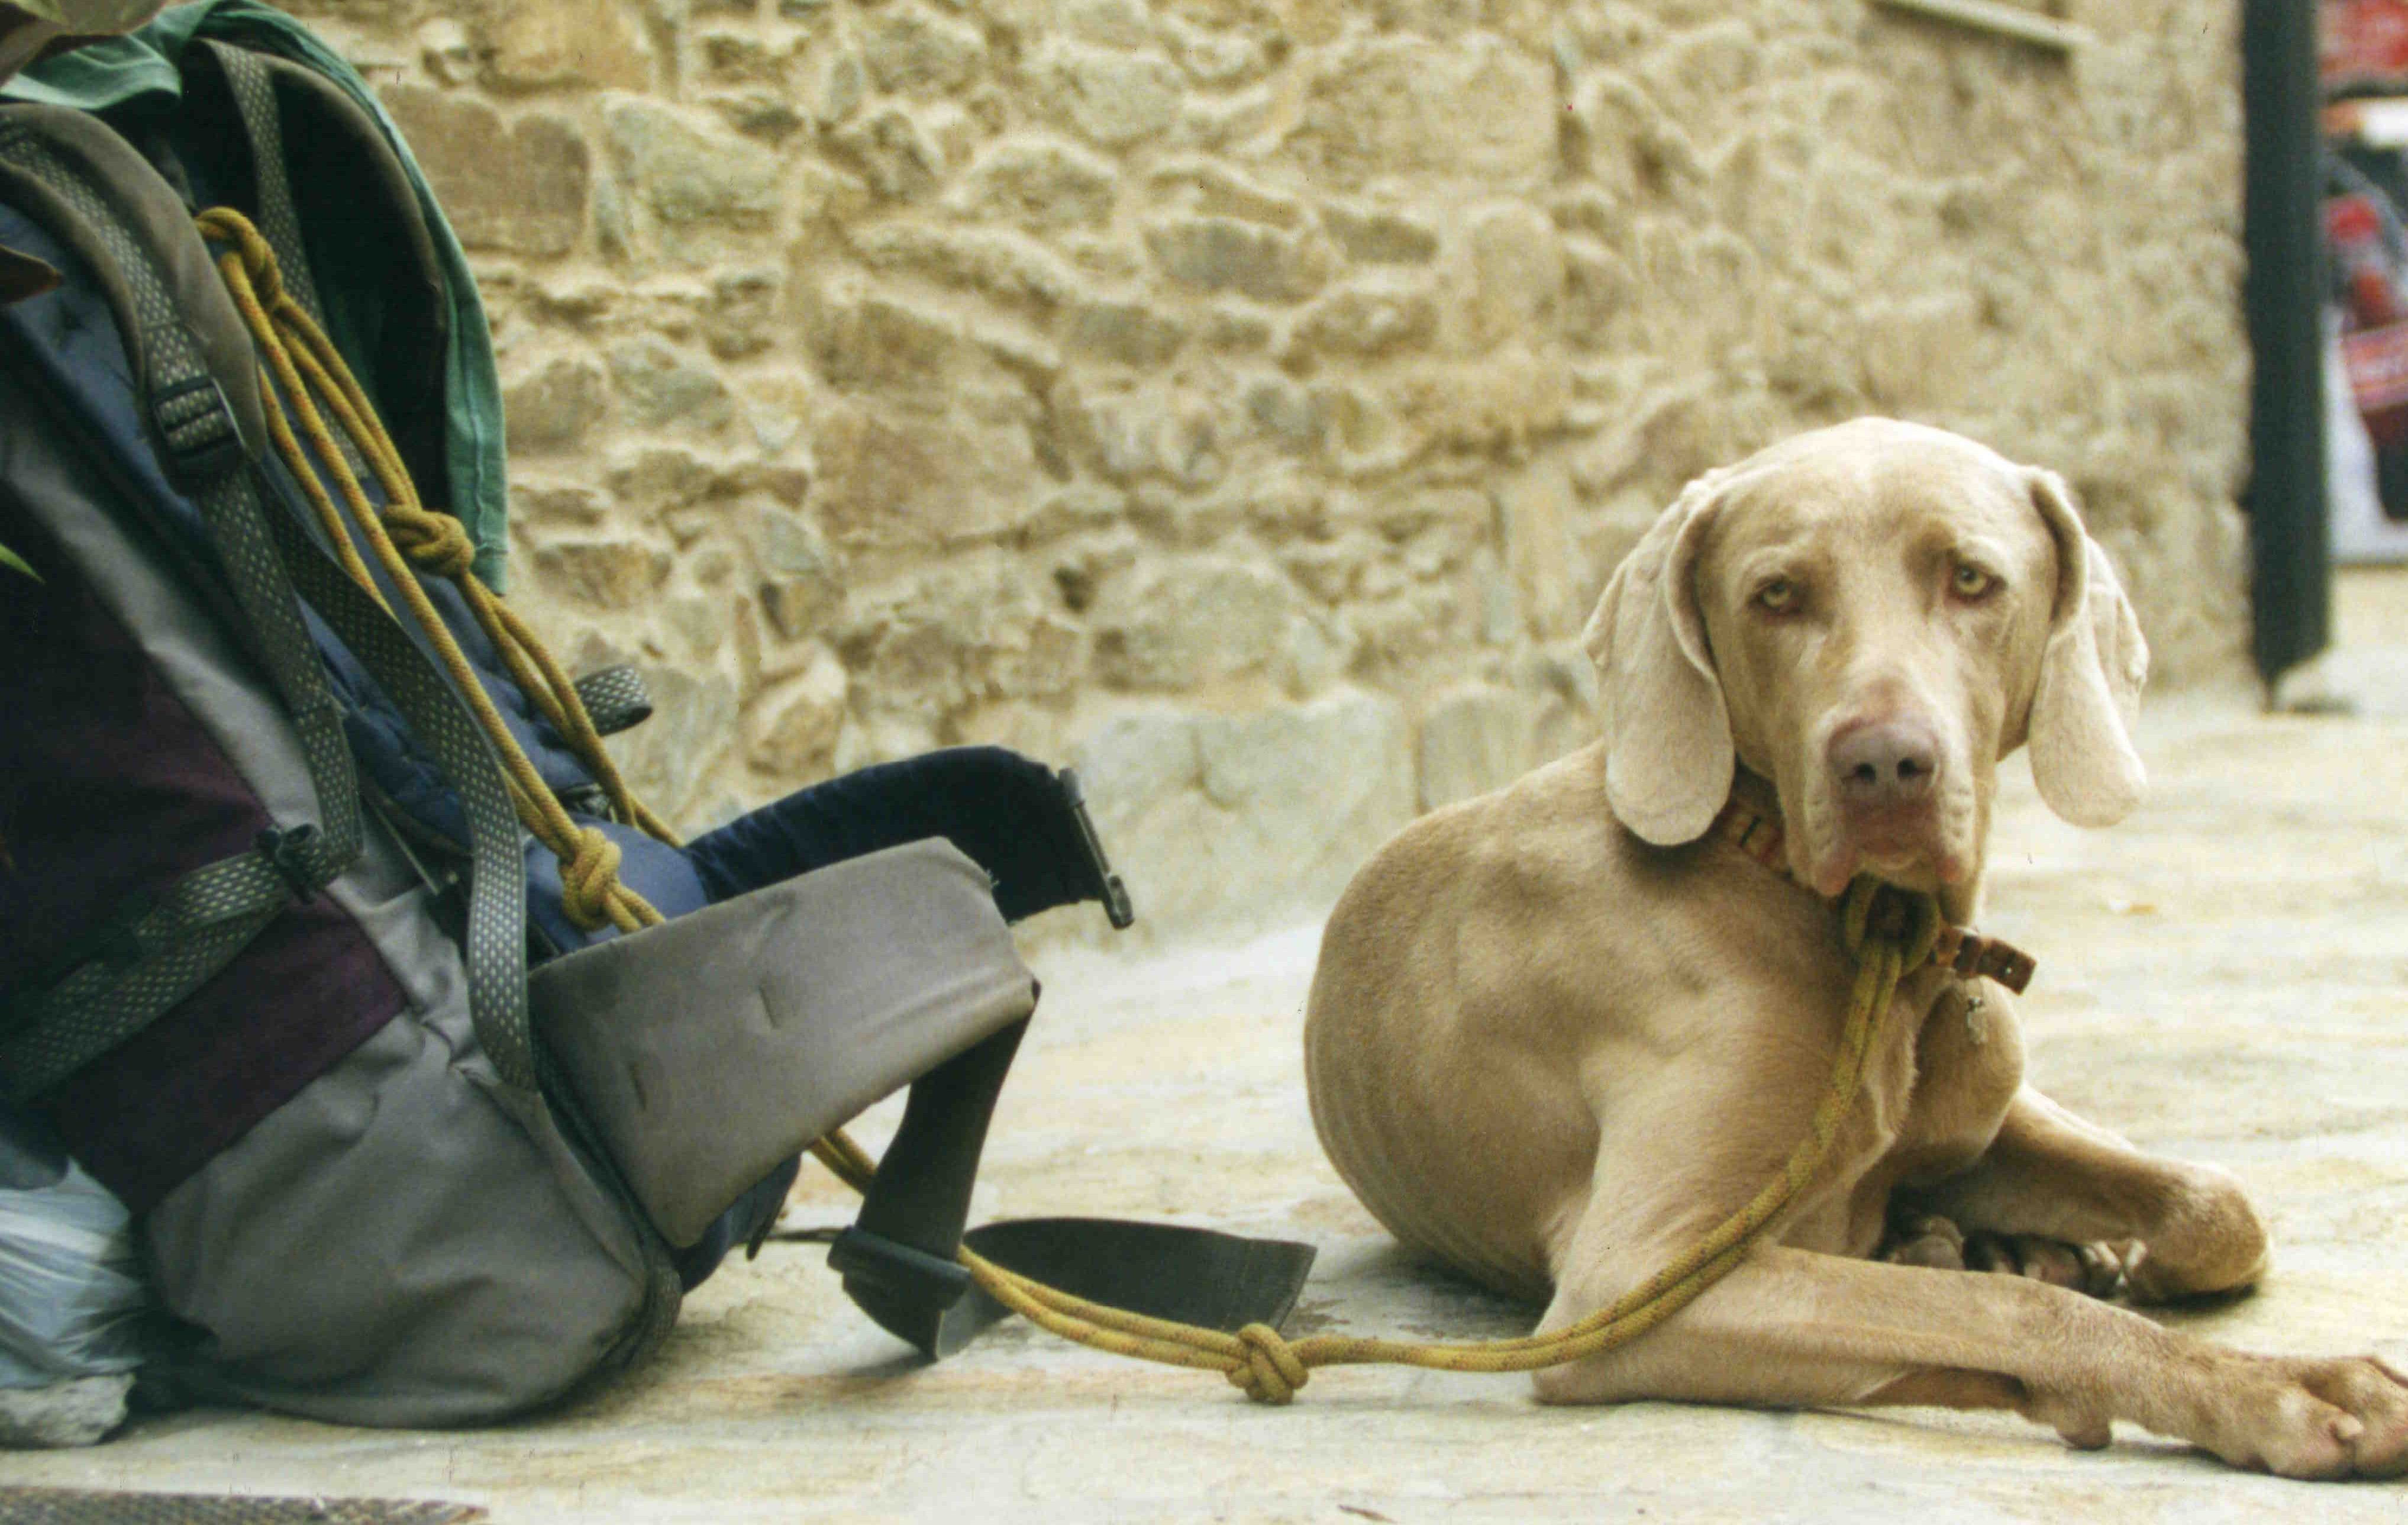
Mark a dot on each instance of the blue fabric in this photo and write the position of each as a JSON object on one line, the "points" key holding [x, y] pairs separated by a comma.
{"points": [[1004, 812]]}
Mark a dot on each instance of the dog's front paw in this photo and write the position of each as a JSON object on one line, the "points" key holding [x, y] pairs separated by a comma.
{"points": [[2312, 1418]]}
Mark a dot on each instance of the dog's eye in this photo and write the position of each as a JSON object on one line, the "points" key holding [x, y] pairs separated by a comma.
{"points": [[1778, 597], [1969, 581]]}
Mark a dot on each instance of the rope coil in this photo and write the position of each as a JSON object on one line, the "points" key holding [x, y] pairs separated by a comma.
{"points": [[1886, 931]]}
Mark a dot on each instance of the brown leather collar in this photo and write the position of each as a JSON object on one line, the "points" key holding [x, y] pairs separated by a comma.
{"points": [[1960, 949]]}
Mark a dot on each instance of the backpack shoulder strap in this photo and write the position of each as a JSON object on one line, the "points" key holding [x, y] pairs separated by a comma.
{"points": [[252, 93], [197, 389], [303, 154], [197, 380]]}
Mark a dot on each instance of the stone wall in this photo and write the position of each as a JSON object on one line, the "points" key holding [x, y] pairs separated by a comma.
{"points": [[1248, 398]]}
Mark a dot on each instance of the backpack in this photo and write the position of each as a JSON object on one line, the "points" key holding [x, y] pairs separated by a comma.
{"points": [[291, 807]]}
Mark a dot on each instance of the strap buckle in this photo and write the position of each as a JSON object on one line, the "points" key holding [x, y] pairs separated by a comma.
{"points": [[1117, 904], [196, 424], [908, 1291], [296, 854]]}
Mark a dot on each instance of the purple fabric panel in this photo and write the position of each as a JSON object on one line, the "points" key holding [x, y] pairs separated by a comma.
{"points": [[153, 1110], [108, 786]]}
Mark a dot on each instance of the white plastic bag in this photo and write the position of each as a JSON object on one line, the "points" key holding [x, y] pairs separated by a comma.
{"points": [[71, 1298]]}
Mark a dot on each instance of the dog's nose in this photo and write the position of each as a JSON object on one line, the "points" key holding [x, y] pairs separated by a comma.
{"points": [[1884, 763]]}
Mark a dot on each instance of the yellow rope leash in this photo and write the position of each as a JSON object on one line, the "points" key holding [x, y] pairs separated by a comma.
{"points": [[302, 370]]}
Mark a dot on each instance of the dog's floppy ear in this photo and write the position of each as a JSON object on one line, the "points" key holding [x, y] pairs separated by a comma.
{"points": [[1668, 736], [2091, 677]]}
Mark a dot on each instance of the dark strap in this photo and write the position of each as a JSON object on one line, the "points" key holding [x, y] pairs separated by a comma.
{"points": [[160, 953], [1197, 1276], [615, 698], [252, 86], [898, 1258], [442, 722]]}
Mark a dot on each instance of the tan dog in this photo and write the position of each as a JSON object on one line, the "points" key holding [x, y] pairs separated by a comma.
{"points": [[1559, 1031]]}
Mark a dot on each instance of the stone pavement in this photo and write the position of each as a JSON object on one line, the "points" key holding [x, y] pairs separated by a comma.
{"points": [[2224, 977]]}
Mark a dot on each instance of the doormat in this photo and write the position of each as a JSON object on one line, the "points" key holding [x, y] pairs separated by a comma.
{"points": [[86, 1506]]}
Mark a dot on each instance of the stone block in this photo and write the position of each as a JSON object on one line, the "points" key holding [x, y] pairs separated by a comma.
{"points": [[1377, 235], [902, 481], [1296, 417], [1186, 622], [912, 52], [1127, 333], [1474, 739], [662, 386], [790, 730], [560, 43], [1402, 105], [1222, 254], [802, 578], [969, 632], [866, 340], [1368, 316], [740, 315], [555, 406], [998, 261], [521, 188], [765, 114], [1216, 190], [1700, 72], [1923, 352], [1535, 507], [1216, 58], [1505, 277], [1041, 183], [1599, 287], [614, 573], [1128, 429], [687, 169], [1107, 24], [1214, 818], [898, 157], [739, 58], [1110, 96]]}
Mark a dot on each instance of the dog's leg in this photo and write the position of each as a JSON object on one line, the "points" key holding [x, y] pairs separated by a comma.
{"points": [[2051, 1175], [1796, 1327]]}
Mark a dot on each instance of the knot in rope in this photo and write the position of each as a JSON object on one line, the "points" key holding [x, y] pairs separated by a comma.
{"points": [[1906, 918], [588, 878], [250, 247], [436, 541], [1272, 1371]]}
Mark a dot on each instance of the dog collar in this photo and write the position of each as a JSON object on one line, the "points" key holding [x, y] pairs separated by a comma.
{"points": [[1961, 950]]}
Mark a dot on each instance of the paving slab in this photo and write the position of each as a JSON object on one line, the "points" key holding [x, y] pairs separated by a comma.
{"points": [[2224, 977]]}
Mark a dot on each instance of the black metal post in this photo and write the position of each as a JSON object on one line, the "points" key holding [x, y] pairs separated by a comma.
{"points": [[2290, 583]]}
